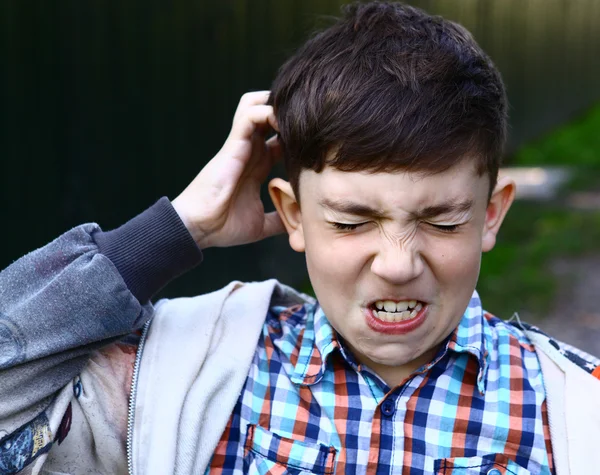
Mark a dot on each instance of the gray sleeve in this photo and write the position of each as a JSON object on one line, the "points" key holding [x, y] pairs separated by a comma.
{"points": [[64, 300]]}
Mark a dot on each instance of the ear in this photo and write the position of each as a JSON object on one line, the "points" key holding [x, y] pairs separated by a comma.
{"points": [[288, 208], [499, 204]]}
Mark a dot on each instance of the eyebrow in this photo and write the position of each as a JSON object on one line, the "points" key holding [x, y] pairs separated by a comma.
{"points": [[358, 209], [349, 207], [452, 207]]}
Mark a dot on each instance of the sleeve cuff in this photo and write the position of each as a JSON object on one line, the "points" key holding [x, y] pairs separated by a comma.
{"points": [[151, 249]]}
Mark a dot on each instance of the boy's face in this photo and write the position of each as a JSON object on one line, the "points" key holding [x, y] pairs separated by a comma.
{"points": [[408, 238]]}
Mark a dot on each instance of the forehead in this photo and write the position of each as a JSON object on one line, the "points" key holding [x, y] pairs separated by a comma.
{"points": [[398, 189]]}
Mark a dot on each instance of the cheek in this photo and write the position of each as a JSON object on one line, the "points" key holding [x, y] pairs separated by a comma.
{"points": [[456, 261], [333, 261]]}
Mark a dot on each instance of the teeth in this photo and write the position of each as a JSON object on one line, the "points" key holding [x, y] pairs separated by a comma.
{"points": [[390, 306], [396, 316], [404, 315], [386, 316]]}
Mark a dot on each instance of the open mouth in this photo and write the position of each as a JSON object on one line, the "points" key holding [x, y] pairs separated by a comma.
{"points": [[390, 311]]}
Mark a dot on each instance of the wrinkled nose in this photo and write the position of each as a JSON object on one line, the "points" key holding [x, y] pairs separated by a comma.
{"points": [[398, 264]]}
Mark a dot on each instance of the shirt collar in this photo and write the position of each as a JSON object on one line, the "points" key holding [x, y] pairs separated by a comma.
{"points": [[472, 336], [318, 342]]}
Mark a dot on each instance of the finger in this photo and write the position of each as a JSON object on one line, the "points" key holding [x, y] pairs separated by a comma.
{"points": [[273, 225], [253, 98], [249, 100], [262, 163], [274, 149], [252, 118], [273, 122], [262, 131]]}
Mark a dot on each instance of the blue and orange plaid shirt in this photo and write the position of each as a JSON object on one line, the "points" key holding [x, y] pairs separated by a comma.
{"points": [[308, 407]]}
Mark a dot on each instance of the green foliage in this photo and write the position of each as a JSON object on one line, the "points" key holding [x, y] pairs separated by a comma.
{"points": [[516, 276], [575, 144]]}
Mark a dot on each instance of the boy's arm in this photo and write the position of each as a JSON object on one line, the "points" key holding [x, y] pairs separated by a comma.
{"points": [[88, 288], [82, 291]]}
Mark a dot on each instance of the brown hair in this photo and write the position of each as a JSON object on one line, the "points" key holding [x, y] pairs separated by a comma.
{"points": [[389, 87]]}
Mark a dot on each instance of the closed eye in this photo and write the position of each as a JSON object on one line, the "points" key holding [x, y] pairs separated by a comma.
{"points": [[447, 228], [346, 226]]}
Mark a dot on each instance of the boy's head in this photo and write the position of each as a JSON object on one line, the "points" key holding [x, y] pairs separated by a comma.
{"points": [[392, 124], [389, 87]]}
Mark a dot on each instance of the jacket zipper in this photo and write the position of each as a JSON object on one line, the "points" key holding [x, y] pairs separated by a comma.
{"points": [[132, 397]]}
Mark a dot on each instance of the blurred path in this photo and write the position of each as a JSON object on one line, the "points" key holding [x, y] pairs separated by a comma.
{"points": [[575, 313]]}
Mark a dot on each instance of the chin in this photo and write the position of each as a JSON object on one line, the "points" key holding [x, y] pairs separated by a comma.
{"points": [[391, 357]]}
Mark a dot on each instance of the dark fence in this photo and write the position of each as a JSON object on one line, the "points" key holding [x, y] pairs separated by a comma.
{"points": [[108, 105]]}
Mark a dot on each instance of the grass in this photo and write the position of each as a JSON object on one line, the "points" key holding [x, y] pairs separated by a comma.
{"points": [[516, 275]]}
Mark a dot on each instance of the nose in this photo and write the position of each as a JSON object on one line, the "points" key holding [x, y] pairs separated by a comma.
{"points": [[398, 263]]}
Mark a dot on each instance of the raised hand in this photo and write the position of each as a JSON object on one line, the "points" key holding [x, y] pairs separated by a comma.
{"points": [[222, 206]]}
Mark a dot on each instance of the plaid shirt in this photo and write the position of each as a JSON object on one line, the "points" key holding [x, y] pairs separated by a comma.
{"points": [[308, 406]]}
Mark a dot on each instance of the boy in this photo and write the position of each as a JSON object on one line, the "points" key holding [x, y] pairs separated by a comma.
{"points": [[391, 123]]}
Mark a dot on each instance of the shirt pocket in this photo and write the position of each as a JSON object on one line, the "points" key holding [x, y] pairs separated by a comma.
{"points": [[266, 453], [493, 464]]}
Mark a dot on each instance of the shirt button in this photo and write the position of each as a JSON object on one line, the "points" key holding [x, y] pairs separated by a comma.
{"points": [[494, 471], [388, 408]]}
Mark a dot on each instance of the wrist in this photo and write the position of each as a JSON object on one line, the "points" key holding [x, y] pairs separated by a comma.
{"points": [[150, 250], [193, 224]]}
